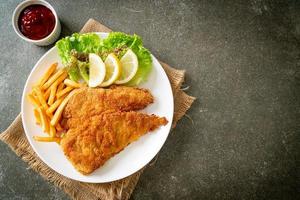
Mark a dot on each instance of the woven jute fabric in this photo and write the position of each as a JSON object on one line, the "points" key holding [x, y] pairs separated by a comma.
{"points": [[15, 137]]}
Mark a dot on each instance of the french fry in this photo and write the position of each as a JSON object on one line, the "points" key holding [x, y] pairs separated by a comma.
{"points": [[49, 96], [33, 92], [63, 92], [40, 97], [52, 94], [46, 139], [47, 93], [60, 79], [58, 112], [58, 127], [48, 122], [37, 116], [50, 115], [60, 87], [52, 131], [33, 100], [57, 82], [44, 120], [53, 107], [71, 83], [53, 78], [48, 73]]}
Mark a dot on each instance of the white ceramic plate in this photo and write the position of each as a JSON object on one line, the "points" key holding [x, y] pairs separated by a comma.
{"points": [[128, 161]]}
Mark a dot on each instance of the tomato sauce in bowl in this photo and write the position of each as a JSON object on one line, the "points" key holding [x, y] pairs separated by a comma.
{"points": [[36, 22]]}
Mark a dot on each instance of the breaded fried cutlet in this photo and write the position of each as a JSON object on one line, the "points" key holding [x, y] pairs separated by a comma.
{"points": [[91, 141], [91, 101]]}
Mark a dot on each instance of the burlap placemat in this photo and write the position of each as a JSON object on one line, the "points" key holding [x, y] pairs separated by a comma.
{"points": [[15, 137]]}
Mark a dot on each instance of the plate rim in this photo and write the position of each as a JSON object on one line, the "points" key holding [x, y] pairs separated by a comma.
{"points": [[44, 160]]}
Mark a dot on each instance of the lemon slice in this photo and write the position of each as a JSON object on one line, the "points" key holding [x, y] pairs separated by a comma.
{"points": [[129, 64], [97, 70], [113, 69]]}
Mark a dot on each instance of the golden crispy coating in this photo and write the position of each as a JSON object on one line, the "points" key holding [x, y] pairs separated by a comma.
{"points": [[91, 141], [89, 101]]}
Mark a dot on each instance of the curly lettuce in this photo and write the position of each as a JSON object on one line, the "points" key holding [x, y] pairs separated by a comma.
{"points": [[83, 43], [123, 41], [116, 42]]}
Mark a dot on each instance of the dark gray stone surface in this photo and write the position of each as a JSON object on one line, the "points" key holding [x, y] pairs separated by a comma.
{"points": [[240, 140]]}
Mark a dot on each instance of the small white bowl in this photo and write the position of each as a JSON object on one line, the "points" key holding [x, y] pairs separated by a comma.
{"points": [[51, 38]]}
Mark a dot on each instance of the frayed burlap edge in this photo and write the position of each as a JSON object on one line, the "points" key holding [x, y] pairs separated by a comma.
{"points": [[14, 136]]}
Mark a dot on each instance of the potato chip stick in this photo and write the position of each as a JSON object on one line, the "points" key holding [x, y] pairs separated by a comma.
{"points": [[48, 73]]}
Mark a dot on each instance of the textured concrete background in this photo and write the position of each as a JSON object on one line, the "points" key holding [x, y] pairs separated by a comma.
{"points": [[240, 140]]}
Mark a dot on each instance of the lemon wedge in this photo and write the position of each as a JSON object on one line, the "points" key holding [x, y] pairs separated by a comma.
{"points": [[97, 70], [113, 69], [129, 64]]}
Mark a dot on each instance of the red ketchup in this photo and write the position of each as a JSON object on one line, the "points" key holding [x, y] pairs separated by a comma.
{"points": [[36, 22]]}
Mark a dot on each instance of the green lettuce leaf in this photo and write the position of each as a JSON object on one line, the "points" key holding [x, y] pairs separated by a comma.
{"points": [[116, 42], [84, 70], [86, 43], [73, 70]]}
